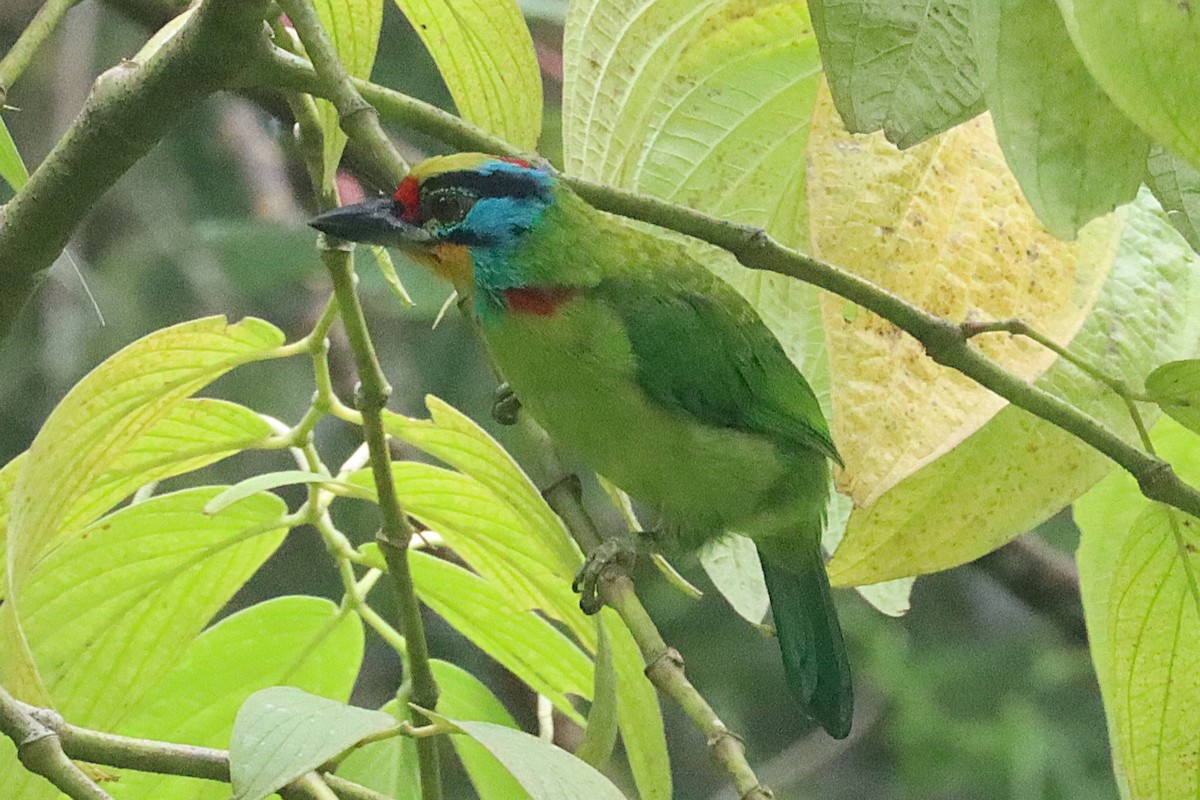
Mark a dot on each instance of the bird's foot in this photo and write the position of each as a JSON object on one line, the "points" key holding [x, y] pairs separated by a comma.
{"points": [[617, 552], [506, 408]]}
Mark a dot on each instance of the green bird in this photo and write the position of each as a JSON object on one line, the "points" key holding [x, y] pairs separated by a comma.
{"points": [[652, 370]]}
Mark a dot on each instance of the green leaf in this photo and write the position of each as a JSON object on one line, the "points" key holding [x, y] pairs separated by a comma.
{"points": [[306, 642], [104, 418], [1138, 568], [353, 27], [1145, 54], [1176, 387], [464, 697], [601, 735], [389, 766], [638, 713], [906, 67], [732, 564], [1019, 469], [1074, 153], [8, 479], [94, 429], [1176, 184], [383, 260], [273, 480], [132, 590], [281, 733], [485, 55], [12, 168], [523, 642], [454, 438], [545, 771]]}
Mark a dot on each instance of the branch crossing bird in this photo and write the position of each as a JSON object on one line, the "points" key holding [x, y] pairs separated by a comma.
{"points": [[651, 369]]}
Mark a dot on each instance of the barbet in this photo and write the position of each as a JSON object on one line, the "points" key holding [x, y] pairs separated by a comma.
{"points": [[652, 370]]}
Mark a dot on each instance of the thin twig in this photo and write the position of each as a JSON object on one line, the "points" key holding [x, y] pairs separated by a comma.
{"points": [[30, 41], [40, 750]]}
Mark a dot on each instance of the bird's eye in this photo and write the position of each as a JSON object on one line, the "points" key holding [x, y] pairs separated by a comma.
{"points": [[447, 206]]}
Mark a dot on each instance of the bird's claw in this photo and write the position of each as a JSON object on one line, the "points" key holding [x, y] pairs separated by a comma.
{"points": [[618, 552], [506, 408]]}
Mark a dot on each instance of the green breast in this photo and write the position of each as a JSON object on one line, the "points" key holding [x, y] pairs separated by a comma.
{"points": [[575, 372]]}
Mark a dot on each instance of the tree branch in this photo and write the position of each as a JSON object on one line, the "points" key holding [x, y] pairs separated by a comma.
{"points": [[131, 106], [945, 342]]}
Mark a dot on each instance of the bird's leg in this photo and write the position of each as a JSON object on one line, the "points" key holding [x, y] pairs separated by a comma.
{"points": [[505, 405], [616, 552]]}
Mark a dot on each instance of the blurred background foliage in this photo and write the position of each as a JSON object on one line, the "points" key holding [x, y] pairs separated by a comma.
{"points": [[972, 695]]}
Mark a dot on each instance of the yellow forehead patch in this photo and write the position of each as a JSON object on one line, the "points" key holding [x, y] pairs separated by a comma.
{"points": [[458, 162]]}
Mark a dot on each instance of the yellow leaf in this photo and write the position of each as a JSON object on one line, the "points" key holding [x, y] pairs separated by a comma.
{"points": [[944, 226]]}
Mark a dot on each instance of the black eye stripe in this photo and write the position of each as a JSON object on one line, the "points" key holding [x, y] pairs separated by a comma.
{"points": [[496, 184]]}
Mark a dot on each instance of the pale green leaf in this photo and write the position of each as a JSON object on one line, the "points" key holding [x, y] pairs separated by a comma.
{"points": [[282, 732], [8, 479], [273, 480], [353, 27], [638, 713], [906, 67], [464, 697], [1145, 54], [1018, 469], [456, 439], [489, 536], [103, 417], [195, 433], [523, 642], [1074, 153], [601, 735], [1138, 568], [306, 642], [1176, 184], [383, 259], [108, 612], [732, 564], [485, 55], [94, 428], [12, 168], [162, 36], [389, 766], [545, 771], [1176, 387]]}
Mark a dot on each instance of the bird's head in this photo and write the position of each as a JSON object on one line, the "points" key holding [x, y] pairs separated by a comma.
{"points": [[450, 212]]}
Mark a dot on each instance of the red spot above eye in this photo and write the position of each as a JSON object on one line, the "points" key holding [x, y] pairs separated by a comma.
{"points": [[520, 162], [541, 302], [408, 197]]}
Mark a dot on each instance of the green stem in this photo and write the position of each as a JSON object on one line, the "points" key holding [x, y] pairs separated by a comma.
{"points": [[360, 121], [143, 755], [29, 42], [130, 108], [40, 750], [358, 118], [396, 531]]}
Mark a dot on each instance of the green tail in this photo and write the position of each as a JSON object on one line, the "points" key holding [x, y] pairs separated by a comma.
{"points": [[810, 638]]}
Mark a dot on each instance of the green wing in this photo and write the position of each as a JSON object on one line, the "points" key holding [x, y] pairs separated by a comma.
{"points": [[701, 349]]}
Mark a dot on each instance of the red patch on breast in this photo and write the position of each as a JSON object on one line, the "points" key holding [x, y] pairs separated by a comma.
{"points": [[540, 302]]}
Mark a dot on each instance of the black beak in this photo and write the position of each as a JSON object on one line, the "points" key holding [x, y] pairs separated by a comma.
{"points": [[372, 221]]}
